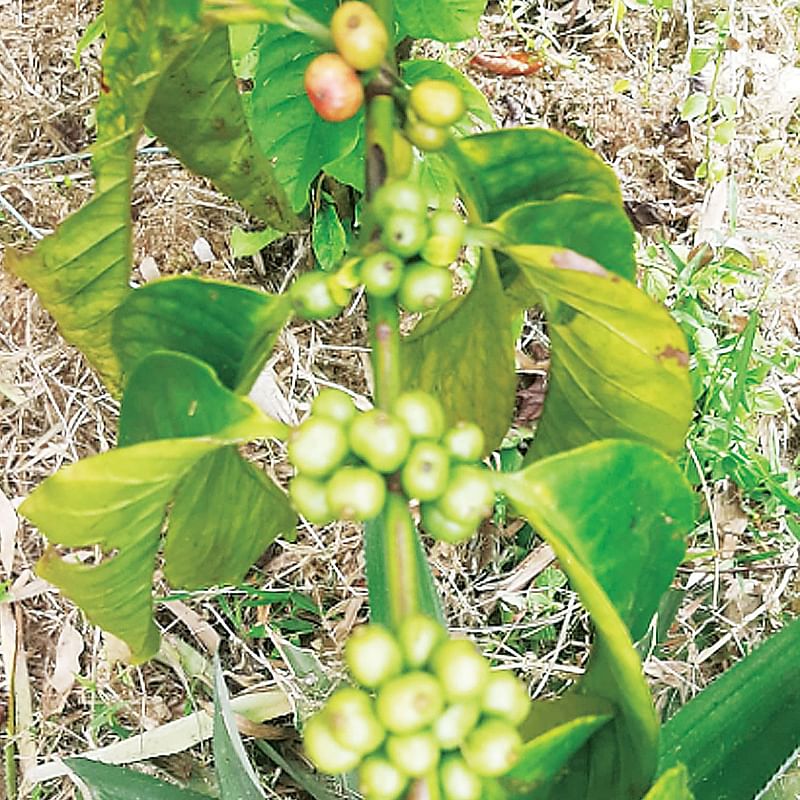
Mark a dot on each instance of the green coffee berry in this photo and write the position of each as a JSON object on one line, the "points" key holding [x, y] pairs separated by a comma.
{"points": [[419, 636], [404, 233], [506, 697], [492, 748], [443, 528], [438, 103], [324, 750], [426, 471], [356, 493], [312, 298], [359, 35], [465, 442], [351, 717], [317, 447], [381, 274], [455, 724], [379, 779], [422, 414], [424, 136], [380, 439], [372, 655], [445, 240], [409, 702], [310, 498], [458, 781], [462, 671], [415, 754], [424, 287], [399, 196], [334, 404], [469, 496]]}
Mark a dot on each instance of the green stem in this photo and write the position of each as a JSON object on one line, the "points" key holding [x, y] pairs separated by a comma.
{"points": [[385, 342]]}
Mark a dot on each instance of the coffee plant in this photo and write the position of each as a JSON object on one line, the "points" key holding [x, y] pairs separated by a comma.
{"points": [[425, 716]]}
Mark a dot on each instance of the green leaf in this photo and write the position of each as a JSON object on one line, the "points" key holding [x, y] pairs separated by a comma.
{"points": [[197, 112], [95, 29], [245, 244], [502, 169], [738, 732], [313, 783], [619, 363], [225, 514], [614, 513], [81, 272], [694, 106], [544, 757], [329, 239], [171, 395], [230, 327], [236, 777], [698, 58], [118, 500], [672, 785], [480, 387], [478, 110], [107, 782], [446, 20], [291, 134], [599, 231], [398, 574], [724, 132]]}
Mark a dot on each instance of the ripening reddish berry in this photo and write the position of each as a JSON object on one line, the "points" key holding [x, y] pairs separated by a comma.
{"points": [[359, 35], [333, 87]]}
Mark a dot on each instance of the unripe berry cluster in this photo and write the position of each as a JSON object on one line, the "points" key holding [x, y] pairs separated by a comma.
{"points": [[419, 248], [332, 82], [344, 458], [426, 706]]}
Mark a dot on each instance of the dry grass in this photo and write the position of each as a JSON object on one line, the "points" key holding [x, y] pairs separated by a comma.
{"points": [[53, 410]]}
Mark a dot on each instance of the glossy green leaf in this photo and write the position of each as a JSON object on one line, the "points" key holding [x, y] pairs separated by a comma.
{"points": [[464, 354], [446, 20], [600, 231], [171, 395], [502, 169], [544, 757], [615, 513], [672, 785], [107, 782], [81, 272], [95, 29], [738, 732], [197, 112], [236, 778], [478, 110], [328, 239], [225, 514], [396, 563], [291, 134], [230, 327], [619, 363], [118, 500]]}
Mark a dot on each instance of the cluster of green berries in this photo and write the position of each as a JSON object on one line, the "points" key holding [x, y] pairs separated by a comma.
{"points": [[425, 706], [416, 249], [345, 457]]}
